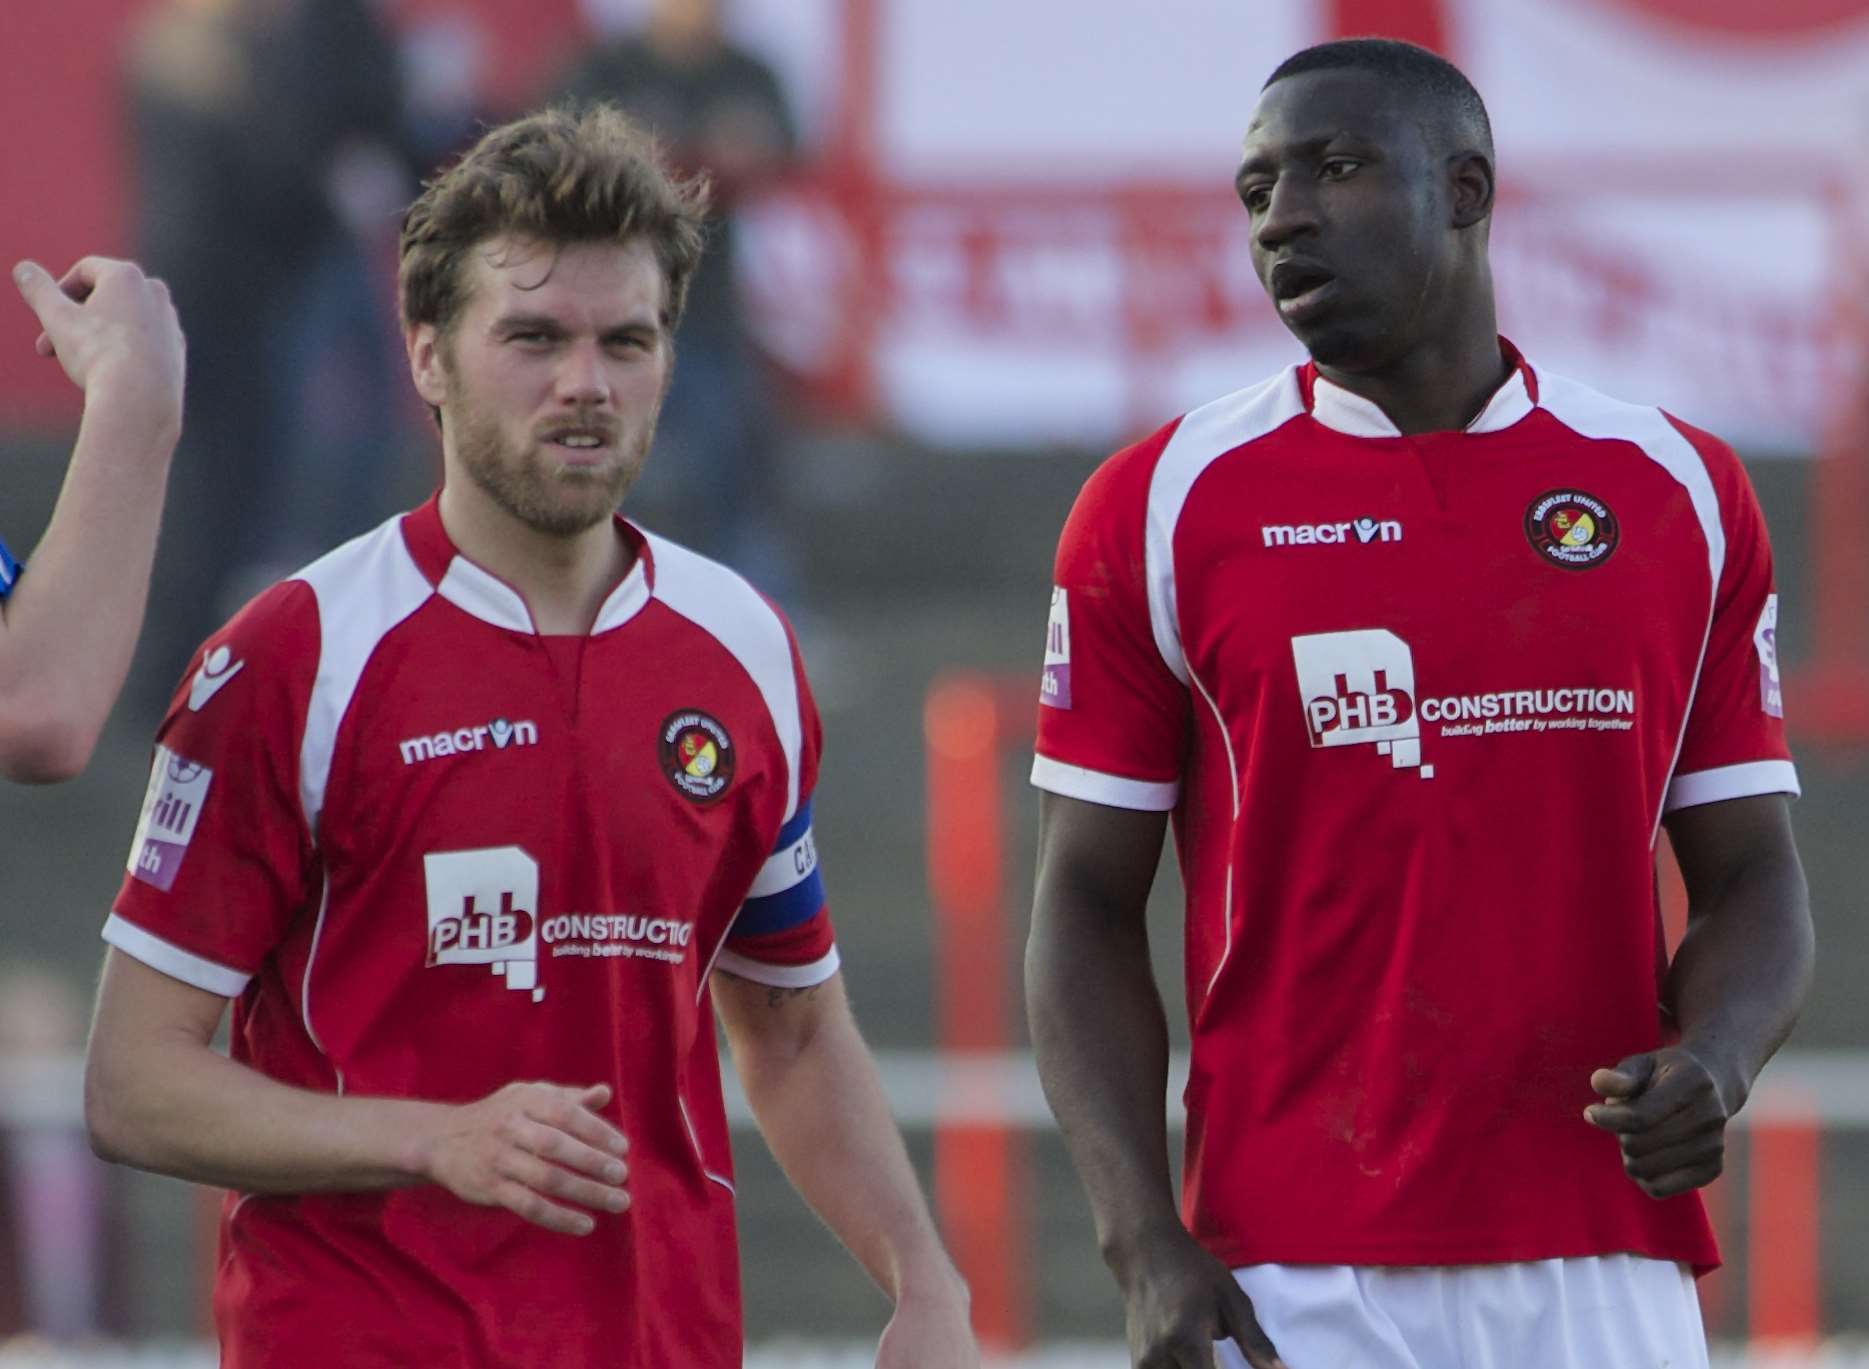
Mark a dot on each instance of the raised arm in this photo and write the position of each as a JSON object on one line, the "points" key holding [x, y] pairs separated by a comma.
{"points": [[158, 1096], [815, 1093], [1735, 988], [68, 630], [1102, 1043]]}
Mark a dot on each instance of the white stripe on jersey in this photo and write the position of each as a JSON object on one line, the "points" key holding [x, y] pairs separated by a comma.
{"points": [[364, 589], [208, 975], [1590, 414], [779, 976], [723, 605], [1732, 782], [1112, 791], [1205, 435]]}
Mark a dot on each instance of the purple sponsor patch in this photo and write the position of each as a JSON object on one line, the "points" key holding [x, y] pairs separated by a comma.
{"points": [[1055, 690], [171, 807], [1765, 641], [158, 862]]}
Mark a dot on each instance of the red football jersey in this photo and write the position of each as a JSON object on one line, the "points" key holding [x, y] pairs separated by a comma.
{"points": [[1418, 705], [430, 851]]}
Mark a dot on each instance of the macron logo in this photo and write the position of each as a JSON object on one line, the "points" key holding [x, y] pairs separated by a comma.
{"points": [[499, 733], [216, 670], [1363, 530]]}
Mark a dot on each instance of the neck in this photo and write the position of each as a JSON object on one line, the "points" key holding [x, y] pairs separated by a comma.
{"points": [[564, 580], [1442, 384]]}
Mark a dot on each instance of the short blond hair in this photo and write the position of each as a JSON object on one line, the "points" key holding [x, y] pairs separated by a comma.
{"points": [[560, 176]]}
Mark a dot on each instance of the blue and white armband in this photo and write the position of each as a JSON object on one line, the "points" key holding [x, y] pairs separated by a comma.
{"points": [[9, 571]]}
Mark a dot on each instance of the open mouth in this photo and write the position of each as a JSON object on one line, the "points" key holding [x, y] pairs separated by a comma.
{"points": [[580, 444], [1296, 284]]}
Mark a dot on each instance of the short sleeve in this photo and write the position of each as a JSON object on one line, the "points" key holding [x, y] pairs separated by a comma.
{"points": [[1734, 745], [783, 934], [219, 864], [1113, 720]]}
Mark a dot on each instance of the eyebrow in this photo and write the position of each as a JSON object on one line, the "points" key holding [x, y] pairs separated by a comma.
{"points": [[507, 324], [1262, 161]]}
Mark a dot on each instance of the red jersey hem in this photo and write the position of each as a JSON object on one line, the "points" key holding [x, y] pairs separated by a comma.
{"points": [[1414, 1253]]}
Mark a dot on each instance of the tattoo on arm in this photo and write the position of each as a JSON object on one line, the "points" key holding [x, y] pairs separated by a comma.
{"points": [[777, 997]]}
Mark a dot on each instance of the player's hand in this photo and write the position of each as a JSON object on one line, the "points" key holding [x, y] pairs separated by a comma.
{"points": [[1669, 1113], [929, 1331], [1179, 1300], [527, 1145], [115, 332]]}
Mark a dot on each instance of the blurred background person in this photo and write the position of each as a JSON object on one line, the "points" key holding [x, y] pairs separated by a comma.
{"points": [[62, 1259], [262, 134], [719, 109]]}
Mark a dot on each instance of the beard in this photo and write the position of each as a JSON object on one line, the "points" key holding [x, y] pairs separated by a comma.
{"points": [[546, 495]]}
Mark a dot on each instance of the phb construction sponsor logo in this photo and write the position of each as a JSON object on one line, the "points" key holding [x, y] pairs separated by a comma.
{"points": [[171, 807], [623, 936], [483, 910], [1359, 688]]}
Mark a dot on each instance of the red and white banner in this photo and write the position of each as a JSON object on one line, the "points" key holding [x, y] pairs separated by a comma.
{"points": [[1048, 248]]}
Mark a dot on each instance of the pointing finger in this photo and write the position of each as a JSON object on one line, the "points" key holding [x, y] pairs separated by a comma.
{"points": [[43, 296]]}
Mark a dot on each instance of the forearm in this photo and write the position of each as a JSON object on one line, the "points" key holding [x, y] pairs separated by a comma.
{"points": [[821, 1108], [1101, 1040], [181, 1108], [71, 625], [1742, 972]]}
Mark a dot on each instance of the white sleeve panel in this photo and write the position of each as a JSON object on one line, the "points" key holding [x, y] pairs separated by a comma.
{"points": [[727, 608], [1732, 782], [364, 589], [1201, 438], [779, 976], [1112, 791], [172, 960]]}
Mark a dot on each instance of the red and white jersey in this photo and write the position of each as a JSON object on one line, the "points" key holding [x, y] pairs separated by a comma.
{"points": [[1418, 705], [430, 851]]}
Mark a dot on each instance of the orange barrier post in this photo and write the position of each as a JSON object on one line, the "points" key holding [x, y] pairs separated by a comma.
{"points": [[1782, 1260], [979, 1173]]}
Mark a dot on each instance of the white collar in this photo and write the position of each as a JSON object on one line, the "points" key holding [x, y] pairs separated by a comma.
{"points": [[1338, 409]]}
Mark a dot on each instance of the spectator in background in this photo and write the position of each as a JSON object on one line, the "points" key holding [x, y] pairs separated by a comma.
{"points": [[243, 114], [61, 1266], [719, 109]]}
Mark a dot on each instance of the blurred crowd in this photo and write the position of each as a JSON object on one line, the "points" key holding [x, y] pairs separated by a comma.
{"points": [[274, 145]]}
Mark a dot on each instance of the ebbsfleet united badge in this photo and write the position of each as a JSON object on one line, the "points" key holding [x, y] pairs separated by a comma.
{"points": [[1571, 529], [697, 754]]}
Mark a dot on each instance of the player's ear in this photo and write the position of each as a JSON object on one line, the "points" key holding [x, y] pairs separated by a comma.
{"points": [[426, 366], [1470, 177]]}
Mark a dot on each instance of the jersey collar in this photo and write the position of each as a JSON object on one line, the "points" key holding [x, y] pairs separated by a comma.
{"points": [[478, 591], [1340, 410]]}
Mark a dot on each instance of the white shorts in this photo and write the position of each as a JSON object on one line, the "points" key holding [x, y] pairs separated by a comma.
{"points": [[1601, 1312]]}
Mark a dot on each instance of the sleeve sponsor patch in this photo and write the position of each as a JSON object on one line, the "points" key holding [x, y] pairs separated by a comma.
{"points": [[1765, 638], [178, 787], [1055, 689]]}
